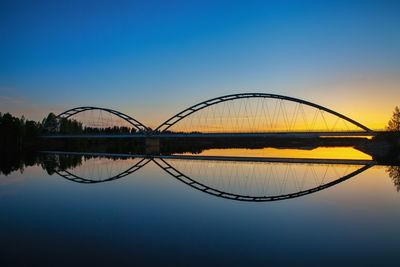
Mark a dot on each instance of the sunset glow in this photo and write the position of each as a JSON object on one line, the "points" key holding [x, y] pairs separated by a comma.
{"points": [[199, 133], [315, 153]]}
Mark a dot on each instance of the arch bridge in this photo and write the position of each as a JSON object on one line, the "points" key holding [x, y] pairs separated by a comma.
{"points": [[235, 115]]}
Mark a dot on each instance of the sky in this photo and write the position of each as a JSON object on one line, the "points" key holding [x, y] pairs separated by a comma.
{"points": [[152, 59]]}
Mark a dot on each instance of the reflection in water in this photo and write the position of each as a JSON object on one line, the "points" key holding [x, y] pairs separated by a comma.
{"points": [[151, 211], [319, 152], [10, 162], [102, 170], [258, 181], [237, 180], [394, 173]]}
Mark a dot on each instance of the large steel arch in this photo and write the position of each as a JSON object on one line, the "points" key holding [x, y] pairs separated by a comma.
{"points": [[187, 112], [232, 196], [135, 123]]}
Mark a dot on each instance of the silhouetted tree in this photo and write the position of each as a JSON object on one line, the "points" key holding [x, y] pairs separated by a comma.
{"points": [[17, 133], [50, 122], [394, 122], [70, 126], [11, 132], [32, 130], [394, 173]]}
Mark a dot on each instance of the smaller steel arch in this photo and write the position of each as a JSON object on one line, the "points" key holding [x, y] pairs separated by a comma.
{"points": [[232, 196], [187, 112], [74, 178], [68, 113]]}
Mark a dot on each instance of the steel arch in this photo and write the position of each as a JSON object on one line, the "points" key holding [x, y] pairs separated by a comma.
{"points": [[232, 196], [74, 178], [187, 112], [135, 123]]}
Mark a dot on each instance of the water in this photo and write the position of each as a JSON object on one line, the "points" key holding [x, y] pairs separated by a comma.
{"points": [[150, 217], [319, 152]]}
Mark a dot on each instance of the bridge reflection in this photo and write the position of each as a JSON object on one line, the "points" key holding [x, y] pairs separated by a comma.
{"points": [[234, 178], [97, 177], [260, 182]]}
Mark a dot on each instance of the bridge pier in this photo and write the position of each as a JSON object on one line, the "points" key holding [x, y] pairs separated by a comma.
{"points": [[152, 146]]}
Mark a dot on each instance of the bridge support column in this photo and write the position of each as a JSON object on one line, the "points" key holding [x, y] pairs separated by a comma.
{"points": [[152, 146]]}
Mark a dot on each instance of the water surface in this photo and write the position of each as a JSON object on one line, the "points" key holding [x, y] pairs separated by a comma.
{"points": [[64, 211], [318, 152]]}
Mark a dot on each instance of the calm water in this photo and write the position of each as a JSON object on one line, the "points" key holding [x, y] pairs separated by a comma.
{"points": [[64, 211], [319, 152]]}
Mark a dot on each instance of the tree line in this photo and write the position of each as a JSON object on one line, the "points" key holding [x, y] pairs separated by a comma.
{"points": [[70, 126], [17, 134]]}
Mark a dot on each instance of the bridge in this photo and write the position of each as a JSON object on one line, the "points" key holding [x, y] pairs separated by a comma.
{"points": [[253, 116], [219, 135], [238, 115]]}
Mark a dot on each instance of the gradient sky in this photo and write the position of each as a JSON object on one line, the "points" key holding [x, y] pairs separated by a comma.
{"points": [[151, 59]]}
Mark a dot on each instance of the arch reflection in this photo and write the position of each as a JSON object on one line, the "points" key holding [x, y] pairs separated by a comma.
{"points": [[95, 169], [248, 180], [259, 181]]}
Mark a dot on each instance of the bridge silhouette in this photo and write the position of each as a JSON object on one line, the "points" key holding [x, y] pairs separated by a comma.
{"points": [[239, 179], [236, 115], [247, 115]]}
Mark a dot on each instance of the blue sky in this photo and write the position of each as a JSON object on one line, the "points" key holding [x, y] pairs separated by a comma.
{"points": [[153, 58]]}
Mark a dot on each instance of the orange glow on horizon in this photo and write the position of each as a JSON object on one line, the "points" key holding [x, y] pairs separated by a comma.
{"points": [[320, 153]]}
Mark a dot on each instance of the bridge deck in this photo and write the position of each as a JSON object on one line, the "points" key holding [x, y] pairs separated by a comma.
{"points": [[221, 135]]}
